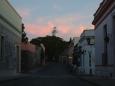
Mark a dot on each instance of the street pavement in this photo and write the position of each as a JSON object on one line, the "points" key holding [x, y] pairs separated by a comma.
{"points": [[99, 81], [52, 75]]}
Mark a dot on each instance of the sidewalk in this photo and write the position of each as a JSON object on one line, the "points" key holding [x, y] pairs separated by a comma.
{"points": [[10, 75], [98, 81]]}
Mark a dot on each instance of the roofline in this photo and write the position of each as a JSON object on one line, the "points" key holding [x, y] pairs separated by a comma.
{"points": [[10, 24], [101, 10], [99, 7], [85, 37], [13, 8], [86, 30]]}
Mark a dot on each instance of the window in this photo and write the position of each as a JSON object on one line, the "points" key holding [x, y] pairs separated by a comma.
{"points": [[105, 54], [1, 47], [92, 41], [88, 41], [89, 59]]}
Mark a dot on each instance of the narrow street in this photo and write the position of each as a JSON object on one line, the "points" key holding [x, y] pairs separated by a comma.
{"points": [[52, 75], [57, 42]]}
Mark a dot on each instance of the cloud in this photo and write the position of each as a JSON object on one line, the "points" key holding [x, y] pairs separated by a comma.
{"points": [[38, 30], [65, 28], [57, 8], [24, 13], [79, 30], [68, 18], [65, 24]]}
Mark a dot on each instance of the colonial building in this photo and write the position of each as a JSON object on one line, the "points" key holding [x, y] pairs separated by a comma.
{"points": [[104, 21], [10, 37], [87, 57]]}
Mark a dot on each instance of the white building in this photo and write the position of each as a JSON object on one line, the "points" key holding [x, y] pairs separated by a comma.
{"points": [[87, 59], [10, 38], [75, 40], [104, 21]]}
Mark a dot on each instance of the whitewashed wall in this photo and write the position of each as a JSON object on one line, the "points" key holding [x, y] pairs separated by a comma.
{"points": [[85, 67], [100, 45], [10, 29], [9, 13]]}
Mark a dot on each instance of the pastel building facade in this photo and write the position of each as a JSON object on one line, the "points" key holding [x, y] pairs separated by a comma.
{"points": [[87, 57], [10, 37], [32, 56], [104, 21]]}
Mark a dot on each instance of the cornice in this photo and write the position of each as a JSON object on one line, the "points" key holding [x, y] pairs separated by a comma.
{"points": [[13, 8], [104, 6], [10, 24]]}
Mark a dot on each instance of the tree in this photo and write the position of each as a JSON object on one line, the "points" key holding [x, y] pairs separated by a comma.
{"points": [[54, 46], [24, 37]]}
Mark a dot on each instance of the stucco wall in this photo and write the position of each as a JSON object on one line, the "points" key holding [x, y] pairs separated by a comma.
{"points": [[7, 11], [10, 42], [100, 44], [84, 60], [10, 29]]}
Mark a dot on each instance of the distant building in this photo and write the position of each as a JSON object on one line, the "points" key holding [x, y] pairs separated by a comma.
{"points": [[87, 57], [67, 56], [104, 21], [63, 58], [75, 40], [32, 56], [10, 37], [70, 52], [28, 59], [75, 51]]}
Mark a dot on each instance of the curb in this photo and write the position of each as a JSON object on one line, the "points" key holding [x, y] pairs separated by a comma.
{"points": [[13, 78], [93, 83]]}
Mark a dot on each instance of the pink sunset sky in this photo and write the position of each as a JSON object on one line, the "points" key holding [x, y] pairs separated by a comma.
{"points": [[70, 18]]}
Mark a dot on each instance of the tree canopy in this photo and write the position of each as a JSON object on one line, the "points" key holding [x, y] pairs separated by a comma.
{"points": [[54, 46]]}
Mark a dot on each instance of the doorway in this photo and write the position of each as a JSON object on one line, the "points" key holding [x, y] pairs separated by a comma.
{"points": [[18, 68]]}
